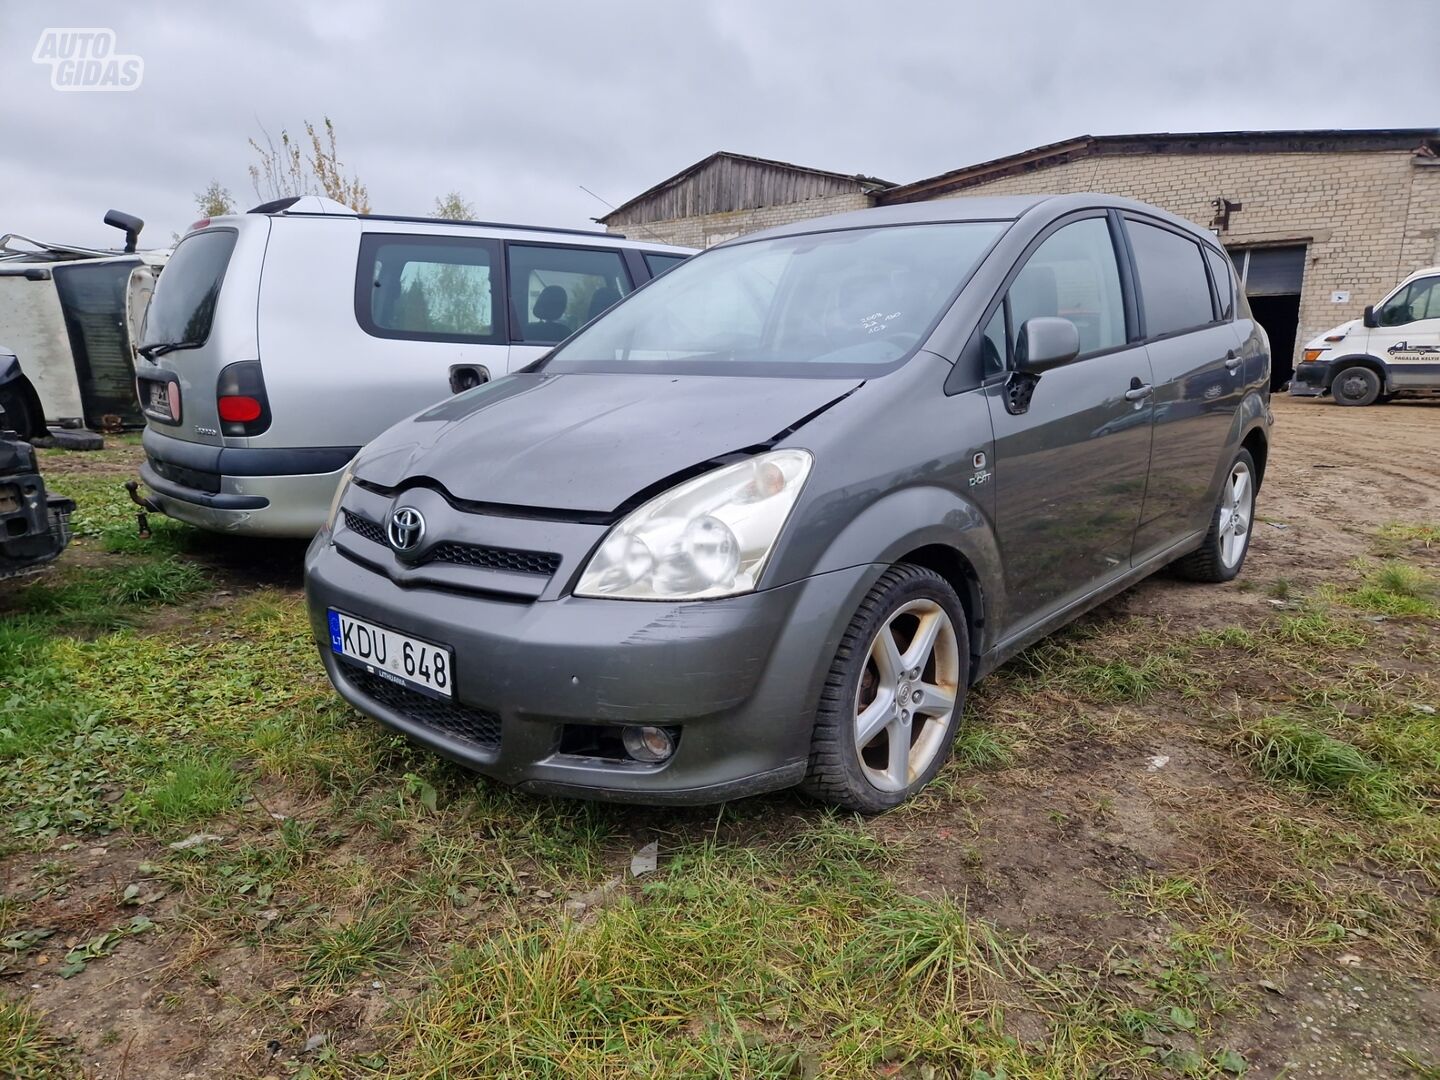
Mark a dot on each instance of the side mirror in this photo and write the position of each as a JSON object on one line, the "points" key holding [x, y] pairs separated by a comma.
{"points": [[1369, 317], [127, 222], [1046, 342]]}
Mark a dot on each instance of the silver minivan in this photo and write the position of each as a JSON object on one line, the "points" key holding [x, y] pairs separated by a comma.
{"points": [[280, 341]]}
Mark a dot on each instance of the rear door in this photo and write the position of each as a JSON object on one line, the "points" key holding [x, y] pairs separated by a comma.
{"points": [[1194, 352], [1409, 336], [92, 298], [554, 289], [201, 318], [1070, 469]]}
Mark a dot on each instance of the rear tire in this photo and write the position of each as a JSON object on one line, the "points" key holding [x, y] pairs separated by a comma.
{"points": [[17, 400], [1356, 386], [894, 696], [1222, 554]]}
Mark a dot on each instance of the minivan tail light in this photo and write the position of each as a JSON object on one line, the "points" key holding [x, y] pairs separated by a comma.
{"points": [[240, 407], [203, 223], [240, 399]]}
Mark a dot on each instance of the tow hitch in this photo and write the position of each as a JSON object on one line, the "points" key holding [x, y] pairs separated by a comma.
{"points": [[147, 506]]}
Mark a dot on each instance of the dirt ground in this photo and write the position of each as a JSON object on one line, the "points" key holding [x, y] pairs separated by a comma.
{"points": [[1050, 848]]}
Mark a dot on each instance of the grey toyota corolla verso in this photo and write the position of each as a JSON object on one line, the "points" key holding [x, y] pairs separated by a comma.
{"points": [[766, 520]]}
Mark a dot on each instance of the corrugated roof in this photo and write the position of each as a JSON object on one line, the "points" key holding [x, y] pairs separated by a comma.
{"points": [[863, 183]]}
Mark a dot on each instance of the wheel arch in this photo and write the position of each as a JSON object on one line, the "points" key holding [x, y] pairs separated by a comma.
{"points": [[952, 565], [1258, 443], [1365, 360], [925, 525]]}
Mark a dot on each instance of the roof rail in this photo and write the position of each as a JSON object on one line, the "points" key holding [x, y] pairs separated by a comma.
{"points": [[490, 225]]}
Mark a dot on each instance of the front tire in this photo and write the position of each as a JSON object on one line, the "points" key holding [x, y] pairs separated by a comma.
{"points": [[1356, 386], [1222, 554], [894, 695]]}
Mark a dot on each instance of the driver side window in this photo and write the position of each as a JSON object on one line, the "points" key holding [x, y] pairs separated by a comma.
{"points": [[1073, 274], [1418, 300]]}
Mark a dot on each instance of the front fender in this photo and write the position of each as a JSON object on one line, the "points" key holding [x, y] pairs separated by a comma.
{"points": [[897, 523]]}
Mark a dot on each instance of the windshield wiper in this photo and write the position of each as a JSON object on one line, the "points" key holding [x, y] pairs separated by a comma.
{"points": [[150, 352]]}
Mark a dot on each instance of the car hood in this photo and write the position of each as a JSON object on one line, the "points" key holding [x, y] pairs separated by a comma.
{"points": [[1345, 329], [588, 442]]}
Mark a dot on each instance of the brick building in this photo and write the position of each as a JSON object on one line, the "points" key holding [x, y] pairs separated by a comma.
{"points": [[1319, 223]]}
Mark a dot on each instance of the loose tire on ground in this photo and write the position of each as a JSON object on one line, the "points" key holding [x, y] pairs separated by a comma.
{"points": [[910, 605], [1356, 386], [1226, 543]]}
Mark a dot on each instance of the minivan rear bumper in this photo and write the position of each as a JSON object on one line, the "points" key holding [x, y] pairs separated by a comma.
{"points": [[260, 491]]}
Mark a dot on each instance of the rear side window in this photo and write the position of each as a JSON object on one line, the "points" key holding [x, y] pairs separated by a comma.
{"points": [[428, 288], [1224, 283], [184, 304], [658, 264], [1174, 291], [556, 290]]}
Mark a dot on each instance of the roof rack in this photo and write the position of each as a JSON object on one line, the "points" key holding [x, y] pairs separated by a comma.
{"points": [[490, 225]]}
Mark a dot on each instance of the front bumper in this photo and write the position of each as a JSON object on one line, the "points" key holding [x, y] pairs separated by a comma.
{"points": [[1311, 378], [740, 678]]}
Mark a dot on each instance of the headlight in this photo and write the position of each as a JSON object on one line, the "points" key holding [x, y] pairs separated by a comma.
{"points": [[339, 494], [708, 537]]}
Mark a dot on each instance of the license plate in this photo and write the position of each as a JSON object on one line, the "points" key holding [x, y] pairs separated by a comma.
{"points": [[415, 664], [162, 400]]}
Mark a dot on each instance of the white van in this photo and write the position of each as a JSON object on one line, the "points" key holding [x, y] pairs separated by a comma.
{"points": [[69, 313], [1393, 350], [280, 341]]}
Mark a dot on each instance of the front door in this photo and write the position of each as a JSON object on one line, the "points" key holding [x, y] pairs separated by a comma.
{"points": [[1070, 470], [1409, 336]]}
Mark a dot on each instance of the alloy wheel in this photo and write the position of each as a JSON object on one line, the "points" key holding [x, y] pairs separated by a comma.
{"points": [[1237, 509], [907, 693]]}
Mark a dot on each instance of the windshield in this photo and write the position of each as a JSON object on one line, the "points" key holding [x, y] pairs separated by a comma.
{"points": [[183, 307], [812, 304]]}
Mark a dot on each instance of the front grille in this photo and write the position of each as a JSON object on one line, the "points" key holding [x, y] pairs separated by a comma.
{"points": [[478, 726], [364, 527], [543, 563], [492, 558]]}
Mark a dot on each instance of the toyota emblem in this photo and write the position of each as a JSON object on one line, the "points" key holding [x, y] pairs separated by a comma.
{"points": [[407, 528]]}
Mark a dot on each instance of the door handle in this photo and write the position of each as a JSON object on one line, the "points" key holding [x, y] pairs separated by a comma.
{"points": [[1232, 361], [1138, 391]]}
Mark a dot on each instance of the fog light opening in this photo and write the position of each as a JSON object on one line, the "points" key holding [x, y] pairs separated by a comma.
{"points": [[648, 744]]}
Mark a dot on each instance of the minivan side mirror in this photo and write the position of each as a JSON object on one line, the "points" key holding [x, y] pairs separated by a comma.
{"points": [[1369, 317], [1046, 342]]}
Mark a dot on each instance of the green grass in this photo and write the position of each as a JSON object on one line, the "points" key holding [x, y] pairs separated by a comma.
{"points": [[1394, 589], [27, 1050], [367, 944], [1417, 533], [1290, 750]]}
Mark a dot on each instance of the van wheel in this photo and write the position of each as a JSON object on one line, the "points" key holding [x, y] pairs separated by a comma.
{"points": [[894, 695], [1355, 386], [1222, 554]]}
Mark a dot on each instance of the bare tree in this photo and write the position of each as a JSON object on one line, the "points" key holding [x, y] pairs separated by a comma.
{"points": [[284, 170], [453, 207], [214, 201]]}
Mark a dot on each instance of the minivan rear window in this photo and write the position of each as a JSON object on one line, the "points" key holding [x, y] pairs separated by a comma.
{"points": [[183, 307]]}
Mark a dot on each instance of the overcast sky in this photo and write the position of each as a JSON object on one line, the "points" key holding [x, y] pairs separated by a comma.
{"points": [[518, 104]]}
